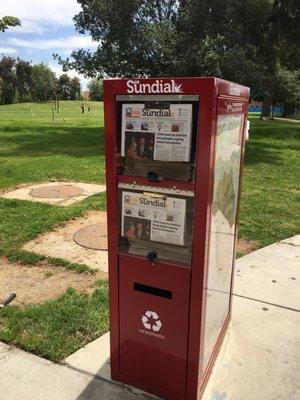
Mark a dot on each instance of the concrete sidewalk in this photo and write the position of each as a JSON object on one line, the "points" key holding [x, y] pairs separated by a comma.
{"points": [[259, 359], [28, 377]]}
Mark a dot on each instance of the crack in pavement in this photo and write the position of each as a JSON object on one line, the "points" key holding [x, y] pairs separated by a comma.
{"points": [[267, 302]]}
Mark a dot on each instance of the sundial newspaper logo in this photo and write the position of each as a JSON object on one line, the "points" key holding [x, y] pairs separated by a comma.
{"points": [[158, 86], [152, 324], [234, 90]]}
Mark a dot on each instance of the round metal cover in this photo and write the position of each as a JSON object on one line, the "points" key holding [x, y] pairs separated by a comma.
{"points": [[56, 191], [92, 236]]}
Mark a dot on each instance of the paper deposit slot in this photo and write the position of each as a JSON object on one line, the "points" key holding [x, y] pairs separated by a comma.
{"points": [[155, 223], [152, 290], [157, 137]]}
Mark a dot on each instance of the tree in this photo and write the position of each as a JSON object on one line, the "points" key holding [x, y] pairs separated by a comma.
{"points": [[9, 79], [1, 86], [189, 38], [8, 21], [64, 86], [24, 78], [95, 87], [280, 48], [286, 90], [75, 88], [170, 37], [44, 82]]}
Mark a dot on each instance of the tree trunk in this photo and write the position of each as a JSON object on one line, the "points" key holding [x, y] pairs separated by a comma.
{"points": [[266, 108], [288, 110]]}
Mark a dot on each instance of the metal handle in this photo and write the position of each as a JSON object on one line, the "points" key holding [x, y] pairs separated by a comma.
{"points": [[152, 256], [9, 299], [153, 176]]}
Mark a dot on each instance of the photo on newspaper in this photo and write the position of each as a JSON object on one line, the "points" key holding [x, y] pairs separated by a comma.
{"points": [[160, 131], [153, 217]]}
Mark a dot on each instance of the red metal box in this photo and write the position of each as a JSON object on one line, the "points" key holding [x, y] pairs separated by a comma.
{"points": [[174, 158]]}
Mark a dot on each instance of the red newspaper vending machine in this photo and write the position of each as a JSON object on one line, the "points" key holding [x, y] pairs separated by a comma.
{"points": [[174, 157]]}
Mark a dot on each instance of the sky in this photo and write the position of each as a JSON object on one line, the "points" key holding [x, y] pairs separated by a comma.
{"points": [[47, 28]]}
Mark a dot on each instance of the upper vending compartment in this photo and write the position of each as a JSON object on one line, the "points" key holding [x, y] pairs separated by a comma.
{"points": [[156, 136]]}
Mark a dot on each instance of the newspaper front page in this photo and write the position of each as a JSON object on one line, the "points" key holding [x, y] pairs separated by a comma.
{"points": [[152, 217], [159, 131]]}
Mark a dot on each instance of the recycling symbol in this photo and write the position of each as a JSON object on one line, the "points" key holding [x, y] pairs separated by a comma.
{"points": [[151, 321]]}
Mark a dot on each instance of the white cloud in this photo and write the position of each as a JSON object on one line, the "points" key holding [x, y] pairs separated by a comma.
{"points": [[41, 12], [7, 50], [29, 27], [71, 42]]}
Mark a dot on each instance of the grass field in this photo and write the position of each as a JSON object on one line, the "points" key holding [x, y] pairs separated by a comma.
{"points": [[270, 197], [33, 148], [36, 149]]}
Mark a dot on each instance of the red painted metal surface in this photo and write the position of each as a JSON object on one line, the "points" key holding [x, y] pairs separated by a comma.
{"points": [[145, 354], [170, 367]]}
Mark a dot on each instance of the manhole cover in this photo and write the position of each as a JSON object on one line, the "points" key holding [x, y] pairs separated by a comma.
{"points": [[92, 236], [56, 191]]}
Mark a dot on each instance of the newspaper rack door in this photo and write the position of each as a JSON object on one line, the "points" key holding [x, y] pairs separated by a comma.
{"points": [[158, 136], [157, 221]]}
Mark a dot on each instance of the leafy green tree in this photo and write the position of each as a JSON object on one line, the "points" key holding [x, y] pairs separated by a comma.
{"points": [[8, 21], [286, 90], [9, 79], [1, 86], [24, 79], [64, 86], [95, 87], [244, 41], [279, 50], [75, 88], [171, 37], [44, 82]]}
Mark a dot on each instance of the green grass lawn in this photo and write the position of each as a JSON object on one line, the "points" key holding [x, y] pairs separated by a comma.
{"points": [[58, 327], [35, 149], [270, 197]]}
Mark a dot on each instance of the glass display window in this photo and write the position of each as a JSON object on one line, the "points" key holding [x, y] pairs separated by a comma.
{"points": [[156, 136], [156, 223]]}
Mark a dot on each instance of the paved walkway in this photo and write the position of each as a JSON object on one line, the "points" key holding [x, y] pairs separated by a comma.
{"points": [[259, 360], [287, 119]]}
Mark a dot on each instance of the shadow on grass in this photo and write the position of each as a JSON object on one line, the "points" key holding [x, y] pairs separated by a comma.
{"points": [[264, 153], [40, 140]]}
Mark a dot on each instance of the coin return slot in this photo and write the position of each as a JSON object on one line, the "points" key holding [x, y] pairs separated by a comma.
{"points": [[154, 291]]}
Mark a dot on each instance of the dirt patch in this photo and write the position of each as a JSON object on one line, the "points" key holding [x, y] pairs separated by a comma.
{"points": [[36, 284], [59, 243], [56, 191], [244, 246], [59, 193]]}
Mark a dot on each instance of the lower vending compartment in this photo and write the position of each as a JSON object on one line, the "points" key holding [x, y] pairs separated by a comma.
{"points": [[154, 310]]}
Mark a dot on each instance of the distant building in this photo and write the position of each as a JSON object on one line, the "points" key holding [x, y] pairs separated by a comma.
{"points": [[256, 106]]}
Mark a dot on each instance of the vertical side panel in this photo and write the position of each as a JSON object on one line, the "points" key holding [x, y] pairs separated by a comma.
{"points": [[204, 168], [111, 186], [217, 291]]}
